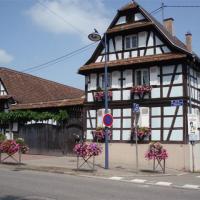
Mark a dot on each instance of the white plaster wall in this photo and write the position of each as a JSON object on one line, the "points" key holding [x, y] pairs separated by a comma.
{"points": [[196, 157]]}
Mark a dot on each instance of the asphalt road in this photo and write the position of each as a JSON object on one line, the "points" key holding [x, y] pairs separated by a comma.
{"points": [[31, 185]]}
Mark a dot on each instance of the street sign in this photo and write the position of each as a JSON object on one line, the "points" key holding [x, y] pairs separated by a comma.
{"points": [[177, 102], [136, 108], [108, 119]]}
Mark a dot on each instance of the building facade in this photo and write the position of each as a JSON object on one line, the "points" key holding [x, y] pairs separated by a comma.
{"points": [[147, 65]]}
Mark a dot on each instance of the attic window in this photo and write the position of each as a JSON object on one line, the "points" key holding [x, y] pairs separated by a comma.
{"points": [[131, 42], [121, 20], [139, 17]]}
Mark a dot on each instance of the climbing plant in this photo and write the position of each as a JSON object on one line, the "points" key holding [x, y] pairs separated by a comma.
{"points": [[25, 116]]}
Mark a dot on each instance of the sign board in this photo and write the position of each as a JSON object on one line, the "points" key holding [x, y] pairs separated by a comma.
{"points": [[192, 124], [108, 120], [193, 128], [136, 108], [177, 102]]}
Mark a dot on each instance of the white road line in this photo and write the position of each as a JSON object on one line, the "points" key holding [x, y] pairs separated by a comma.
{"points": [[117, 178], [190, 186], [163, 183], [198, 176], [138, 180]]}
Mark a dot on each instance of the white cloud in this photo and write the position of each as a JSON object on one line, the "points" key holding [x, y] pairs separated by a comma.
{"points": [[5, 57], [78, 17]]}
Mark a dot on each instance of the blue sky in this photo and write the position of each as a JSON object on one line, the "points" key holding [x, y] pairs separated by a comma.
{"points": [[33, 33]]}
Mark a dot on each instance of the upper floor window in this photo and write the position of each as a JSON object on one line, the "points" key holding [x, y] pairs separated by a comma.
{"points": [[142, 77], [102, 81], [131, 42]]}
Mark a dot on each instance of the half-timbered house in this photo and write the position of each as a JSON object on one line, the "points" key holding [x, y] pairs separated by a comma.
{"points": [[150, 66], [21, 91]]}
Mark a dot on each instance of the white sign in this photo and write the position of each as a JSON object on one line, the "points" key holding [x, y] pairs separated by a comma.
{"points": [[193, 127]]}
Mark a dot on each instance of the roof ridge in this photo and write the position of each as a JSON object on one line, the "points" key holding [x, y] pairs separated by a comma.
{"points": [[36, 77]]}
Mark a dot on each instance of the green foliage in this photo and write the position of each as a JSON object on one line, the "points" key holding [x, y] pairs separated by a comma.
{"points": [[25, 116], [2, 137]]}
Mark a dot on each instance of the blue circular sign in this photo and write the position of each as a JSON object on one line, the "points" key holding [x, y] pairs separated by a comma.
{"points": [[108, 120]]}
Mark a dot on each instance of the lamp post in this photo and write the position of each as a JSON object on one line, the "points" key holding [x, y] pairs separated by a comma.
{"points": [[95, 37]]}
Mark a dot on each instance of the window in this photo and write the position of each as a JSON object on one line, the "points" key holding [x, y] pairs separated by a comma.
{"points": [[131, 42], [101, 81], [142, 77], [2, 89]]}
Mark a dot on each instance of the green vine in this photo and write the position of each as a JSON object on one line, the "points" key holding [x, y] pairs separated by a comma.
{"points": [[25, 116]]}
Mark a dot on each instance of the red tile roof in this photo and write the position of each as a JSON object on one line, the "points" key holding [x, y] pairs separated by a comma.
{"points": [[27, 89]]}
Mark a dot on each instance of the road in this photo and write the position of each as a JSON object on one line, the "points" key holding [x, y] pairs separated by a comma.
{"points": [[32, 185]]}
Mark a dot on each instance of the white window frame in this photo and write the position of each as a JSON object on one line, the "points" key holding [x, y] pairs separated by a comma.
{"points": [[142, 75], [131, 38]]}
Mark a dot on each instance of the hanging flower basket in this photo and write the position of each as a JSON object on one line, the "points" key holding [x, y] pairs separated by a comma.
{"points": [[87, 150], [99, 134], [100, 95], [142, 133], [156, 151]]}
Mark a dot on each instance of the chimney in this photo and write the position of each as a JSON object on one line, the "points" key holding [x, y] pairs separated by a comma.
{"points": [[188, 40], [168, 23]]}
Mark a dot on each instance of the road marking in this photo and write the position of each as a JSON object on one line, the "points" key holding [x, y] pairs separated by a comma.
{"points": [[191, 186], [163, 183], [117, 178], [198, 176], [138, 180]]}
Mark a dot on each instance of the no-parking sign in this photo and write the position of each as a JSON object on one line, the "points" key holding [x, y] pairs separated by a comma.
{"points": [[108, 119]]}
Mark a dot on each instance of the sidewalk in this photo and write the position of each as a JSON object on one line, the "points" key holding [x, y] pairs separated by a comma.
{"points": [[68, 164]]}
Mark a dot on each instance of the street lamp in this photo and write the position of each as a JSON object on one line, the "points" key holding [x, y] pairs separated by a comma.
{"points": [[95, 37]]}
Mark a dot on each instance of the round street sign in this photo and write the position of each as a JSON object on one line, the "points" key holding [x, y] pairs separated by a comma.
{"points": [[108, 120]]}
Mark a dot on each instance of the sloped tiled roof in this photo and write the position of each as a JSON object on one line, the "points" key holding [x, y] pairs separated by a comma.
{"points": [[25, 88], [49, 104], [135, 61]]}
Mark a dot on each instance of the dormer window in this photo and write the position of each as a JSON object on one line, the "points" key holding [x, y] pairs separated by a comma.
{"points": [[131, 42]]}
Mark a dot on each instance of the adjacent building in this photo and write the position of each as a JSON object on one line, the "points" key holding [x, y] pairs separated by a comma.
{"points": [[21, 91]]}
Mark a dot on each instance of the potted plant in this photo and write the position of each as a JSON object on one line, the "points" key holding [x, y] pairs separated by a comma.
{"points": [[156, 151], [23, 148], [87, 149]]}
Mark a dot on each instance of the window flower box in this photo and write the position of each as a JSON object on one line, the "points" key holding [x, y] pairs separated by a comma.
{"points": [[142, 133], [100, 95], [99, 134], [141, 90]]}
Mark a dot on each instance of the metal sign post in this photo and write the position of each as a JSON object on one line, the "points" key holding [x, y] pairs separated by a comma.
{"points": [[136, 114]]}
